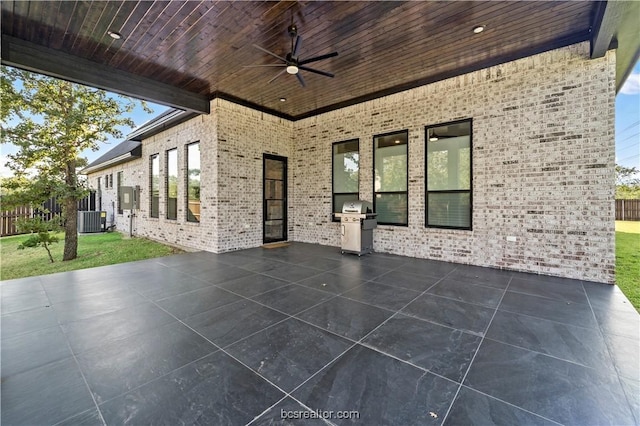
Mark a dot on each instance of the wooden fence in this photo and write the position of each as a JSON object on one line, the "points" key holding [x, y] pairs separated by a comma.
{"points": [[50, 209], [627, 209]]}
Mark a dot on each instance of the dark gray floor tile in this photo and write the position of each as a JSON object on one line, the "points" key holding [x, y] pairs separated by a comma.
{"points": [[570, 291], [605, 297], [289, 353], [27, 321], [478, 275], [64, 292], [383, 390], [31, 350], [189, 304], [87, 418], [399, 278], [632, 390], [220, 274], [236, 258], [45, 395], [626, 355], [558, 390], [322, 264], [346, 317], [172, 284], [20, 286], [24, 301], [253, 285], [230, 323], [261, 265], [292, 299], [474, 408], [289, 413], [463, 316], [464, 292], [292, 273], [622, 323], [332, 283], [96, 331], [120, 366], [570, 313], [384, 260], [382, 295], [439, 349], [581, 345], [91, 306], [541, 278], [215, 390], [362, 271], [427, 267]]}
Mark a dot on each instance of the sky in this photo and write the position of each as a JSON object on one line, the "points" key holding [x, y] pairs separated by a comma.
{"points": [[628, 121], [627, 126]]}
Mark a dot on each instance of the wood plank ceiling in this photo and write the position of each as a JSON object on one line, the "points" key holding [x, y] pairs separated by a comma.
{"points": [[384, 46]]}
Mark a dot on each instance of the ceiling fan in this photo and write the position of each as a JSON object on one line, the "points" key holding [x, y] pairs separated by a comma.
{"points": [[292, 62]]}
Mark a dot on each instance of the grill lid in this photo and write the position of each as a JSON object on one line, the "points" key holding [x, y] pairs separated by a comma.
{"points": [[359, 207]]}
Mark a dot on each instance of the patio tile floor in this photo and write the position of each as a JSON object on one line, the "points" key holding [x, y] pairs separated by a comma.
{"points": [[249, 336]]}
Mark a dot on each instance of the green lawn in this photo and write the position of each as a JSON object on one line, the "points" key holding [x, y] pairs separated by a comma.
{"points": [[93, 250], [628, 260]]}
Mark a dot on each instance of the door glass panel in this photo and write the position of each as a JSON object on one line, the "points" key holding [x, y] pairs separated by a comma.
{"points": [[275, 203]]}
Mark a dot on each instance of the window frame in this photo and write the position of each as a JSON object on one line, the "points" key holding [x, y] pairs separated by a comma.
{"points": [[119, 176], [375, 198], [333, 193], [186, 180], [167, 176], [448, 191], [151, 212]]}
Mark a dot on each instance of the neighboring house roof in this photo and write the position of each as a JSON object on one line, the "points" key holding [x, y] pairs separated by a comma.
{"points": [[167, 119], [125, 151]]}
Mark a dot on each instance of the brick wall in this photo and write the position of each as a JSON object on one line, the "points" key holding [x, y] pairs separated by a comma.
{"points": [[543, 168], [543, 165]]}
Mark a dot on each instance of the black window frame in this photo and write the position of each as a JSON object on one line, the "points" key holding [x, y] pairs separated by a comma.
{"points": [[449, 191], [167, 176], [375, 193], [151, 212], [333, 193], [186, 181], [119, 191]]}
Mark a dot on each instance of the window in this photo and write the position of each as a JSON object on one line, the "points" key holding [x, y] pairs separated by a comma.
{"points": [[111, 180], [390, 199], [345, 173], [172, 184], [119, 183], [106, 181], [193, 182], [448, 177], [155, 186]]}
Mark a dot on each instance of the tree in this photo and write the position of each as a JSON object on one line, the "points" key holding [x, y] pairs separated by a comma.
{"points": [[52, 122], [627, 183]]}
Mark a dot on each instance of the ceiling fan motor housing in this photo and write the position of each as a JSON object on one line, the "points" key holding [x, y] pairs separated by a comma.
{"points": [[293, 30]]}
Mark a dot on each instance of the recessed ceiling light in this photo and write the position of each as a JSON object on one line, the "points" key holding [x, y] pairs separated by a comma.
{"points": [[397, 142], [283, 99], [114, 35], [478, 29]]}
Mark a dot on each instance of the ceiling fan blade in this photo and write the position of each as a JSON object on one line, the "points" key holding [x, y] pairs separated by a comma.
{"points": [[269, 53], [277, 75], [264, 65], [296, 47], [300, 79], [327, 74], [318, 58]]}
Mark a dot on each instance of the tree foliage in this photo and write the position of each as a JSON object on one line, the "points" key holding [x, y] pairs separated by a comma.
{"points": [[52, 122], [627, 183], [40, 233]]}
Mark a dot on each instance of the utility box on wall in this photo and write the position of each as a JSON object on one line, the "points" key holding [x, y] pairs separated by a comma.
{"points": [[129, 197]]}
